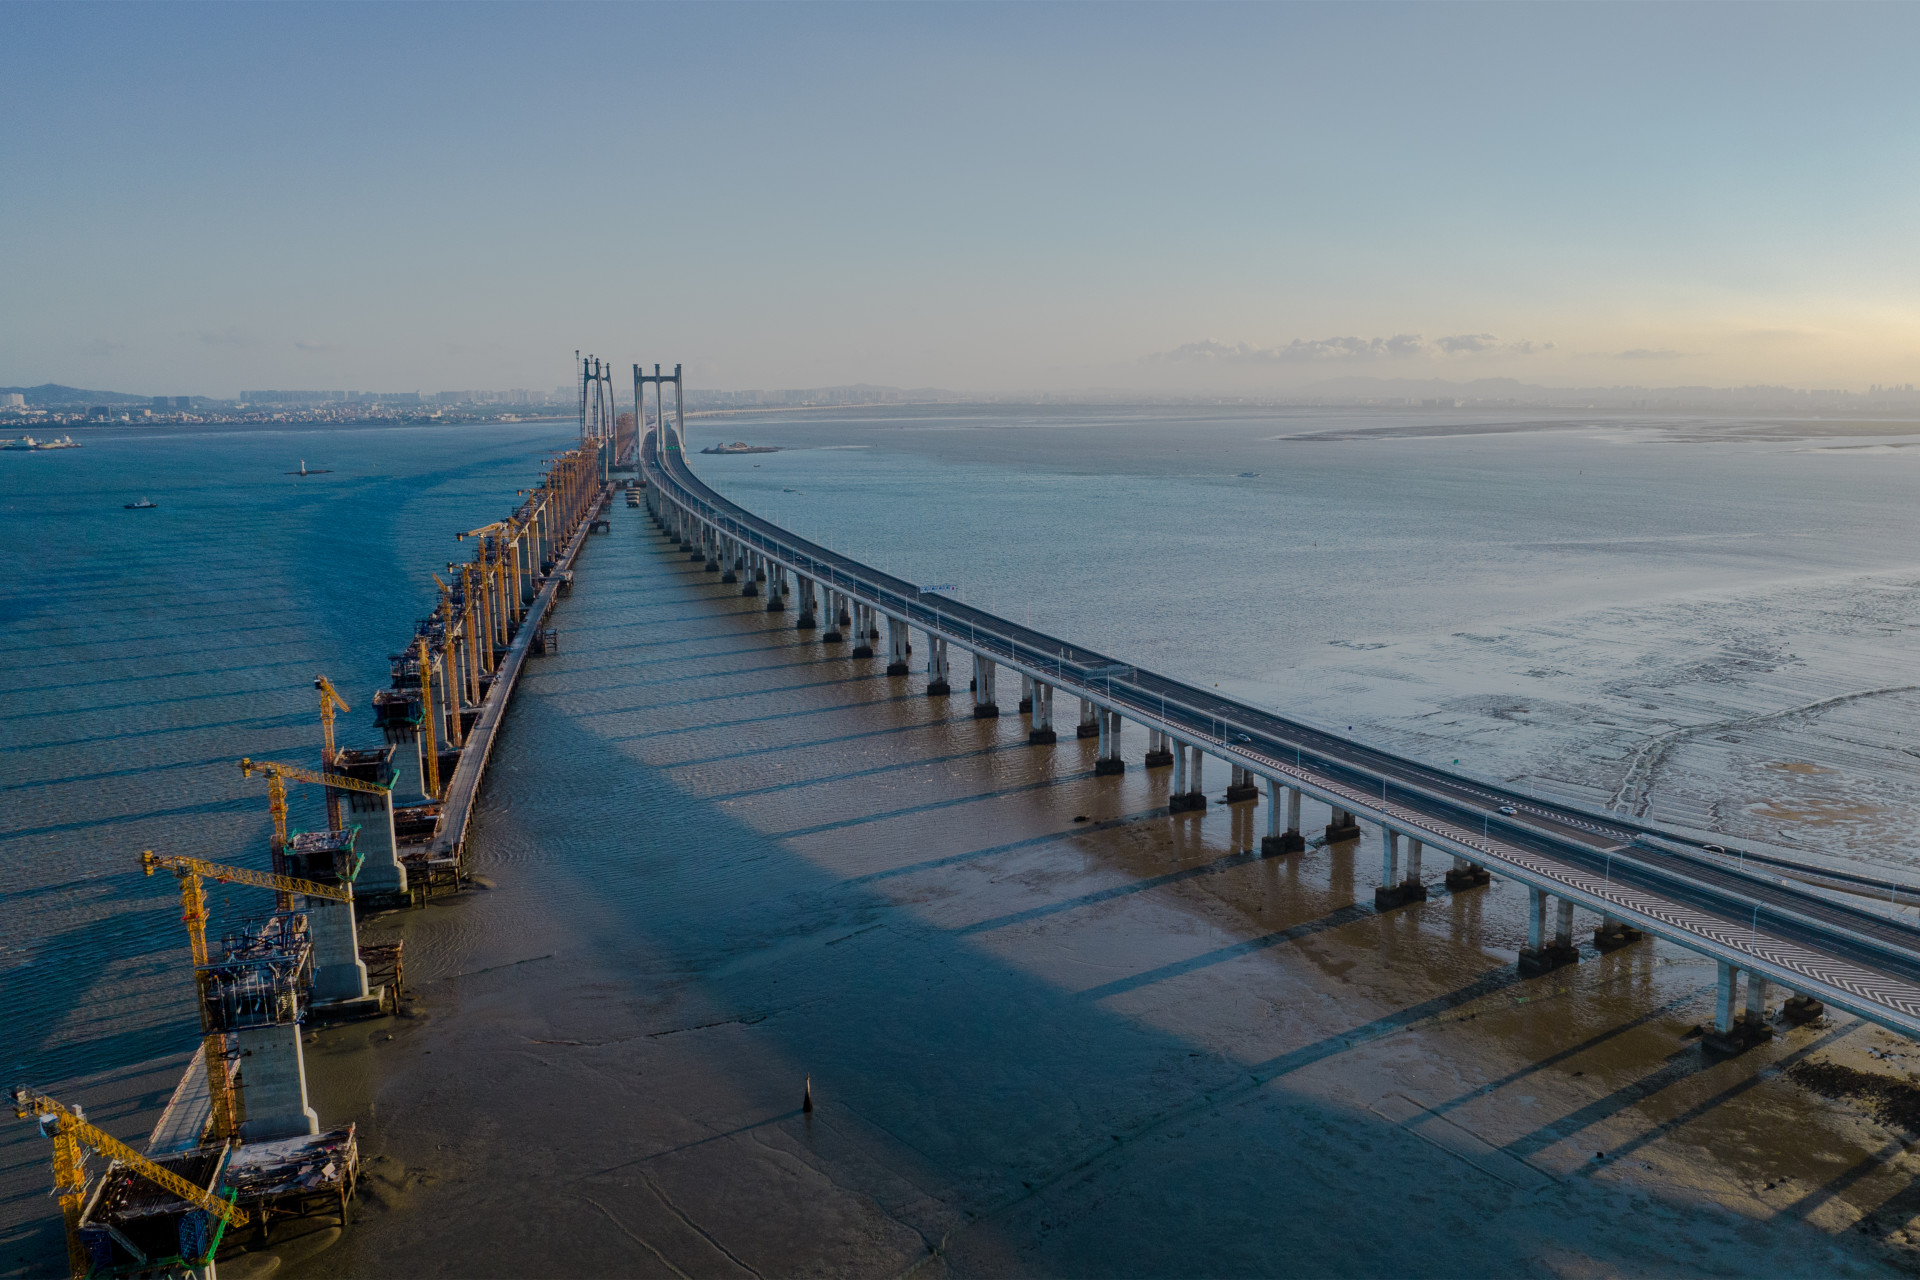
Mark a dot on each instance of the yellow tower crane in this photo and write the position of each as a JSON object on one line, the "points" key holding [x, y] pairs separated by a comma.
{"points": [[193, 912], [277, 776], [330, 701], [69, 1183]]}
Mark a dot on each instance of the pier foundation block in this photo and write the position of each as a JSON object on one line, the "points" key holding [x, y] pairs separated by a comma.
{"points": [[1799, 1010], [1613, 935], [1387, 897], [1460, 879], [1041, 737], [1341, 832], [938, 688], [1535, 961], [1285, 843], [1109, 766]]}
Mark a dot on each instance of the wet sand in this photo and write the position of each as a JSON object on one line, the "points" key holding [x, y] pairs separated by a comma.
{"points": [[726, 857]]}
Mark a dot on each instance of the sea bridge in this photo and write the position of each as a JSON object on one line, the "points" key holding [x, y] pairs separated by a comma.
{"points": [[1764, 921]]}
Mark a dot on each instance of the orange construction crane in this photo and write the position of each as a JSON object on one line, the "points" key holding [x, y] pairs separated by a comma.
{"points": [[193, 911], [330, 701], [68, 1131], [277, 775]]}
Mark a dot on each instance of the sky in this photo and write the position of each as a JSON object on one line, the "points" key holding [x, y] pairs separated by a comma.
{"points": [[200, 199]]}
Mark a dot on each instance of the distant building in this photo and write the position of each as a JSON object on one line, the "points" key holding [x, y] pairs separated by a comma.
{"points": [[12, 400], [183, 402], [98, 413], [160, 404]]}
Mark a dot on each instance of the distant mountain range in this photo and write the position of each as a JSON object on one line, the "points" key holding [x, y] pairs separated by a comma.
{"points": [[49, 394]]}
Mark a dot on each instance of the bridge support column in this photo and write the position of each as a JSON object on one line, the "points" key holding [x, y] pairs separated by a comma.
{"points": [[1543, 954], [984, 705], [1040, 731], [1088, 728], [711, 544], [701, 532], [1026, 694], [1736, 1032], [1398, 886], [1159, 749], [806, 620], [751, 574], [1241, 788], [863, 630], [832, 635], [1283, 832], [1107, 761], [938, 685], [1189, 787], [896, 647], [777, 590], [759, 568], [1614, 934], [1342, 827], [730, 555], [1466, 875]]}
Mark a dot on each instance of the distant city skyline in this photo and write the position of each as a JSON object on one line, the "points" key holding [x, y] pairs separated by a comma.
{"points": [[1185, 200]]}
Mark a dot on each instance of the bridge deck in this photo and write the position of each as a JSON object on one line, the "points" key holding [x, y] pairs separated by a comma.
{"points": [[1663, 882]]}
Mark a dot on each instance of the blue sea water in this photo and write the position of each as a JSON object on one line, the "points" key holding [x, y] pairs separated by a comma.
{"points": [[148, 651]]}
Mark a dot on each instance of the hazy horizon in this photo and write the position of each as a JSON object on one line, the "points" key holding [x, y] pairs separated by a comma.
{"points": [[1191, 199]]}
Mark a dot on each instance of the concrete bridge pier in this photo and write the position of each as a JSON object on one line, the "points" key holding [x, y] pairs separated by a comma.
{"points": [[1041, 731], [701, 532], [896, 647], [777, 590], [733, 562], [938, 685], [1107, 761], [806, 621], [1159, 749], [1342, 827], [751, 574], [833, 634], [1614, 934], [1088, 727], [1544, 953], [273, 1083], [984, 706], [1398, 886], [863, 630], [1466, 875], [1189, 790], [760, 568], [1737, 1030], [339, 974], [713, 550], [1283, 830], [1242, 788]]}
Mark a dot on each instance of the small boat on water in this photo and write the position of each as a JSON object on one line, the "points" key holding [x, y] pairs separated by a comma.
{"points": [[143, 505], [317, 471]]}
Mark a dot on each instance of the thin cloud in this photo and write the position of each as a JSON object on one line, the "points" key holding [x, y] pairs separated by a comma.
{"points": [[1401, 346], [1651, 353]]}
